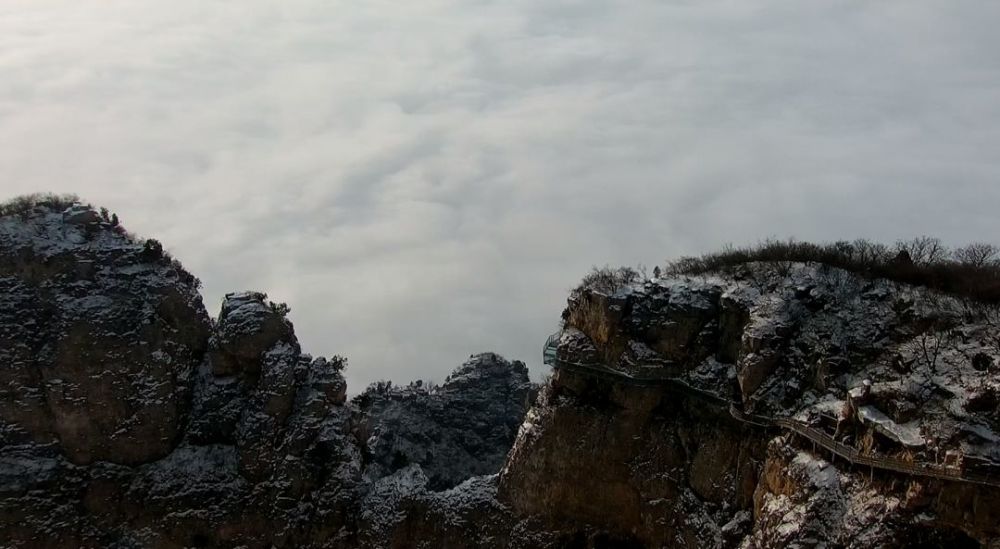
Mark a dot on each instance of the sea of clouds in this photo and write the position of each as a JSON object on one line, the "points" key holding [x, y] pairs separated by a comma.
{"points": [[423, 180]]}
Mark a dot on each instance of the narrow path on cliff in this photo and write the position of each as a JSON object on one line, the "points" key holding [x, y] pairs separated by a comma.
{"points": [[733, 408]]}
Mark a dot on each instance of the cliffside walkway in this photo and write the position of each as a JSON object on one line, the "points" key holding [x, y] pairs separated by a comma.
{"points": [[733, 408]]}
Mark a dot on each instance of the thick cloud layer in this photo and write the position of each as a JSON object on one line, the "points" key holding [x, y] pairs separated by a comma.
{"points": [[423, 180]]}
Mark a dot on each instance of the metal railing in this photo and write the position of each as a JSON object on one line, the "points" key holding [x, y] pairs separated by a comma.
{"points": [[550, 349], [817, 437]]}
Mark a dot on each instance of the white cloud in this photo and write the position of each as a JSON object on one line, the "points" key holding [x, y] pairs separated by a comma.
{"points": [[425, 180]]}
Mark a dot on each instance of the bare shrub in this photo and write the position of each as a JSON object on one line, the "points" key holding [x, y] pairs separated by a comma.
{"points": [[280, 308], [23, 205], [337, 362], [608, 280], [971, 272]]}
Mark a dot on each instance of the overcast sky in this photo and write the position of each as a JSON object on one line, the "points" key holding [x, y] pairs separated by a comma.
{"points": [[426, 179]]}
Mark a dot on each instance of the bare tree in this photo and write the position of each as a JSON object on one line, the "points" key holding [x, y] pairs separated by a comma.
{"points": [[869, 253], [977, 254], [923, 249], [930, 348]]}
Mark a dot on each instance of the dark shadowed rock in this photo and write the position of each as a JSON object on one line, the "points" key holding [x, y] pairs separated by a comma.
{"points": [[98, 344], [454, 431], [248, 327]]}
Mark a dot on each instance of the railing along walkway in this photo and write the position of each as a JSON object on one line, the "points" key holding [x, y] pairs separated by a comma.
{"points": [[819, 438]]}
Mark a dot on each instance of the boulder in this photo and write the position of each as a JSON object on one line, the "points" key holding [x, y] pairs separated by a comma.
{"points": [[100, 364], [248, 326], [78, 214]]}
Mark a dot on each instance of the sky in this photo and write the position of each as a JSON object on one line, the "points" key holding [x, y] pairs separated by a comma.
{"points": [[425, 180]]}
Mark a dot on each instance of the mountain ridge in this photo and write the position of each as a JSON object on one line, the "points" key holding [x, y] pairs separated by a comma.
{"points": [[130, 418]]}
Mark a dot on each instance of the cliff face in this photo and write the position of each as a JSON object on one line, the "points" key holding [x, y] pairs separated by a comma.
{"points": [[459, 430], [129, 418], [73, 303], [886, 372], [643, 468], [682, 412]]}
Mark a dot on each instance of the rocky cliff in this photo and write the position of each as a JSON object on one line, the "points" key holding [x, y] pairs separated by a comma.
{"points": [[130, 418], [772, 405], [682, 438]]}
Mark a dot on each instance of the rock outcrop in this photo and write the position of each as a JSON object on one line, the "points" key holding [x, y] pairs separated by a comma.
{"points": [[130, 419], [885, 371], [455, 431], [98, 341]]}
